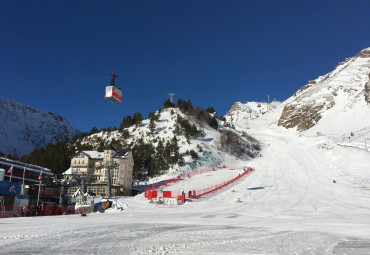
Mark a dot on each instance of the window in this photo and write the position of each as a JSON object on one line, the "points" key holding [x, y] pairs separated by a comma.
{"points": [[115, 173], [101, 190], [75, 162], [83, 162]]}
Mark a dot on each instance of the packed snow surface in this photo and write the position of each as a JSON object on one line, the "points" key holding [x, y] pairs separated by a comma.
{"points": [[290, 205]]}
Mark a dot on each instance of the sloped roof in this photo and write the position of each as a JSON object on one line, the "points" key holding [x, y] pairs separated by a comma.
{"points": [[122, 153], [94, 154], [70, 171], [27, 166]]}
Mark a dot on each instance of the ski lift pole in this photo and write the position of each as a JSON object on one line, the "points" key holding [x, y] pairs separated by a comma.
{"points": [[108, 168], [83, 187], [62, 192]]}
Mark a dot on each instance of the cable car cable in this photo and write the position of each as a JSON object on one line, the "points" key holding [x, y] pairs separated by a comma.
{"points": [[63, 54], [53, 49], [154, 53]]}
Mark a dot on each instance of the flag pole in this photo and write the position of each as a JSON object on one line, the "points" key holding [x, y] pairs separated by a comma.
{"points": [[38, 195], [11, 173], [24, 173]]}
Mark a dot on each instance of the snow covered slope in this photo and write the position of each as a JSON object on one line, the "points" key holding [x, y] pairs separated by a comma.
{"points": [[23, 129], [249, 110], [337, 101], [290, 205], [206, 144]]}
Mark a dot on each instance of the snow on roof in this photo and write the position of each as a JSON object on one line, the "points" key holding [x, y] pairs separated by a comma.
{"points": [[70, 171], [94, 154]]}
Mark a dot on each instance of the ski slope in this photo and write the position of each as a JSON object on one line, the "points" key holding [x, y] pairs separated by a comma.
{"points": [[290, 205]]}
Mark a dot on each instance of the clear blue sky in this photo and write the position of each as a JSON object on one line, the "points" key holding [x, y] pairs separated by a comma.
{"points": [[56, 57]]}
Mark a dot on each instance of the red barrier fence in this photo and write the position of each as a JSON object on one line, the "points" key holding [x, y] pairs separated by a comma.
{"points": [[151, 192], [217, 187]]}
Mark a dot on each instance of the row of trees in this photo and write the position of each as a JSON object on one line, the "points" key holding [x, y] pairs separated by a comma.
{"points": [[156, 159], [208, 116], [54, 156], [129, 121]]}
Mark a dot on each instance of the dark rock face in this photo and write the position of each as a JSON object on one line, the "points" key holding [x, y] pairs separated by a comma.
{"points": [[367, 91], [303, 118]]}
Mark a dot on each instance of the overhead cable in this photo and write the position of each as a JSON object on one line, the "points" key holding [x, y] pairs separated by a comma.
{"points": [[53, 49], [133, 40]]}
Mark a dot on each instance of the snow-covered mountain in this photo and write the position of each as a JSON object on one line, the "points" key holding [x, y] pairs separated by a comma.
{"points": [[206, 144], [23, 129], [337, 101], [249, 110]]}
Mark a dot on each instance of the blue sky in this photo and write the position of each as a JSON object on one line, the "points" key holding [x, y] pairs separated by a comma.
{"points": [[56, 57]]}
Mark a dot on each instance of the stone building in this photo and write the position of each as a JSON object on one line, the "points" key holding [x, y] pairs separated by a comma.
{"points": [[91, 164]]}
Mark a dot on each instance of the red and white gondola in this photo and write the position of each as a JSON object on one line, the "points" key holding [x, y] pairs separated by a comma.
{"points": [[112, 92]]}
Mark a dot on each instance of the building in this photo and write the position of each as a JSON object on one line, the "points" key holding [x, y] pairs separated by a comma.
{"points": [[92, 164], [31, 172], [21, 185]]}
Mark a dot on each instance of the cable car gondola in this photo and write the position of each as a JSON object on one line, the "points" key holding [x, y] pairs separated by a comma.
{"points": [[112, 92]]}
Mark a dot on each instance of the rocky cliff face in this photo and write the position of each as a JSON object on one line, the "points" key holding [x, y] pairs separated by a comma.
{"points": [[341, 90], [367, 91], [22, 128]]}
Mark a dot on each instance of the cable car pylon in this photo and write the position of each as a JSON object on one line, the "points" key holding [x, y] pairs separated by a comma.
{"points": [[112, 92]]}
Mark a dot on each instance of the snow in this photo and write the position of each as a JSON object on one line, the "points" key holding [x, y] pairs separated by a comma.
{"points": [[70, 171], [23, 129], [204, 180], [94, 154], [290, 205]]}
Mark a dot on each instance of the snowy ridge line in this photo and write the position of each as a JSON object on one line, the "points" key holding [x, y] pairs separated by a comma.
{"points": [[177, 178], [217, 187]]}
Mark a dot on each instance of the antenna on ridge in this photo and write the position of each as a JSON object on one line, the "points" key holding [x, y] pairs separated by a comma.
{"points": [[171, 96]]}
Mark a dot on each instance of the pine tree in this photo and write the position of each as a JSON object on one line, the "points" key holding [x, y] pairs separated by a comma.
{"points": [[152, 125], [126, 122], [125, 133], [137, 118], [168, 104]]}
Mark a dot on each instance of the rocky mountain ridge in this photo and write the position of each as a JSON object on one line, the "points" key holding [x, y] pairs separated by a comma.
{"points": [[343, 90]]}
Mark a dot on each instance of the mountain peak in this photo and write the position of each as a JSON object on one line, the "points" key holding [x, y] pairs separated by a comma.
{"points": [[23, 129], [365, 53], [341, 96]]}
